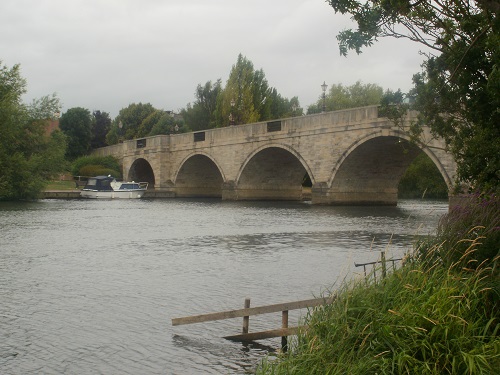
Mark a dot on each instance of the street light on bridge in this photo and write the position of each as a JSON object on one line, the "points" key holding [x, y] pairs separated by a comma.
{"points": [[231, 117], [120, 126], [323, 87]]}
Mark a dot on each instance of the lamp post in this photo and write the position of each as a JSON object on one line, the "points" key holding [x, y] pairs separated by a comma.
{"points": [[323, 87], [231, 117], [120, 126]]}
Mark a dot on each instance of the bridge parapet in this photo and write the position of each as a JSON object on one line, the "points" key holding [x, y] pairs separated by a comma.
{"points": [[114, 150], [247, 132], [155, 143]]}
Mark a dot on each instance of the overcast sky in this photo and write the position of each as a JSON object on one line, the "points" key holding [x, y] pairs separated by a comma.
{"points": [[106, 54]]}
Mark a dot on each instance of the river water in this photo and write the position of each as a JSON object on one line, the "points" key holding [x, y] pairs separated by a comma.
{"points": [[90, 287]]}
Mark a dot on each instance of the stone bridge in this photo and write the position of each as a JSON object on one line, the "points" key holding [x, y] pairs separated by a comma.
{"points": [[351, 157]]}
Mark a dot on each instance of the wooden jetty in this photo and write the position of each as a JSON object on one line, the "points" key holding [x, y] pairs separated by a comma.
{"points": [[248, 311]]}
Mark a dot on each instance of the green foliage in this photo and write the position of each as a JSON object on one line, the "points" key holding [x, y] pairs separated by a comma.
{"points": [[343, 97], [149, 122], [96, 165], [422, 179], [469, 235], [169, 124], [201, 115], [394, 107], [114, 134], [127, 124], [98, 170], [161, 122], [76, 124], [101, 124], [438, 314], [246, 98], [458, 91], [29, 157], [237, 98]]}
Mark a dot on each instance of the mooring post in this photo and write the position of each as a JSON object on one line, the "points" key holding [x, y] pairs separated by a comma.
{"points": [[382, 260], [246, 319], [284, 324]]}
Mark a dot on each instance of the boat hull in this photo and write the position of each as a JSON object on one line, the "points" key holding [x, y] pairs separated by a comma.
{"points": [[118, 194]]}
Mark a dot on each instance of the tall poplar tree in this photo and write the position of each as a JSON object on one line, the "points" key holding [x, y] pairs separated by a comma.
{"points": [[236, 102]]}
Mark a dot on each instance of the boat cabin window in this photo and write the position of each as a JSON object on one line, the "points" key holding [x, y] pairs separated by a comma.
{"points": [[91, 182], [129, 186]]}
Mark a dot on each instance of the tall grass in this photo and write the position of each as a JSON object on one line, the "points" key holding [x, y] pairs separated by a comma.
{"points": [[437, 314]]}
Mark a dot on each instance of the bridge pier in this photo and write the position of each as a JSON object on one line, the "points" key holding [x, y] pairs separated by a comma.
{"points": [[230, 191]]}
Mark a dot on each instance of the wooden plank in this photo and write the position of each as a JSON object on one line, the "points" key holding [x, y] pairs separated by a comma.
{"points": [[251, 311], [246, 319], [284, 324], [281, 332]]}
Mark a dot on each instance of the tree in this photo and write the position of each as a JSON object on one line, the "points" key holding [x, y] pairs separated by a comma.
{"points": [[169, 123], [422, 179], [458, 91], [76, 124], [248, 97], [280, 107], [149, 122], [96, 165], [201, 115], [161, 122], [236, 102], [101, 123], [343, 97], [29, 157], [128, 122]]}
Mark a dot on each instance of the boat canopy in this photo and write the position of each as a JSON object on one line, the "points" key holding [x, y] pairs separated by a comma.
{"points": [[101, 183]]}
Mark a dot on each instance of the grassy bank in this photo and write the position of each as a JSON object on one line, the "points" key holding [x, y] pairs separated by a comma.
{"points": [[61, 185], [438, 314]]}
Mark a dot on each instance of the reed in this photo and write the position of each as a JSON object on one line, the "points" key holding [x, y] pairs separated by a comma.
{"points": [[437, 314]]}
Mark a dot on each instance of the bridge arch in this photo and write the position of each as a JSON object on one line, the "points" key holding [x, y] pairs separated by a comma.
{"points": [[142, 171], [272, 172], [370, 169], [199, 175]]}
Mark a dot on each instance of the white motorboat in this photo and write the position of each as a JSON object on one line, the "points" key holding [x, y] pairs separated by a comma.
{"points": [[108, 188]]}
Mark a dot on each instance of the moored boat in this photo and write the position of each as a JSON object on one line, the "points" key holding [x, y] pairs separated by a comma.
{"points": [[108, 188]]}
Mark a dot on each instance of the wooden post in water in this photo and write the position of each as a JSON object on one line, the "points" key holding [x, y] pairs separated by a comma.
{"points": [[246, 319], [284, 324], [382, 260]]}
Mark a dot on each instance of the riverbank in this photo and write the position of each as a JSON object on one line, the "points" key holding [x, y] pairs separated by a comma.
{"points": [[438, 314], [149, 194], [60, 194]]}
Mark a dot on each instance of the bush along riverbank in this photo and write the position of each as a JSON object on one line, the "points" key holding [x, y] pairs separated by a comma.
{"points": [[438, 314]]}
